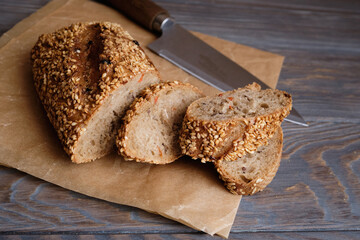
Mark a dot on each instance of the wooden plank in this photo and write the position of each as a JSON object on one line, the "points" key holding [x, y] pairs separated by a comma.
{"points": [[282, 24], [320, 42], [317, 188], [12, 12], [316, 193], [30, 204], [350, 235]]}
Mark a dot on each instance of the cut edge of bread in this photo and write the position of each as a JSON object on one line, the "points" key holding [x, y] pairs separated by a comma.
{"points": [[69, 113], [106, 120], [149, 94], [240, 185], [255, 131]]}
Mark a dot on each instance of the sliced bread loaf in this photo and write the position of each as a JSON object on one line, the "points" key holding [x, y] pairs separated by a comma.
{"points": [[254, 171], [86, 75], [231, 124], [150, 129]]}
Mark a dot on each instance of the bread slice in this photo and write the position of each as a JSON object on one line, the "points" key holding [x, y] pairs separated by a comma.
{"points": [[254, 171], [231, 124], [150, 132], [86, 75]]}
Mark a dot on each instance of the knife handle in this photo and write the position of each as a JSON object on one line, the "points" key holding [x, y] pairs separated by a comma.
{"points": [[145, 12]]}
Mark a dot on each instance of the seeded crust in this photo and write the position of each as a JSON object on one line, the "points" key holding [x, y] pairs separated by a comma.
{"points": [[238, 182], [207, 139], [147, 104], [73, 85]]}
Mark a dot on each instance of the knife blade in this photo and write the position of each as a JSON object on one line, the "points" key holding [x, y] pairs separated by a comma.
{"points": [[188, 52]]}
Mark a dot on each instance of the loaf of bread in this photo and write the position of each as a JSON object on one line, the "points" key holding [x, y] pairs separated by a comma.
{"points": [[86, 76], [231, 124], [150, 129], [254, 171]]}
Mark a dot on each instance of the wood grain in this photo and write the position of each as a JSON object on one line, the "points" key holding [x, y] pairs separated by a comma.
{"points": [[316, 193], [320, 40], [30, 204], [317, 183], [351, 235]]}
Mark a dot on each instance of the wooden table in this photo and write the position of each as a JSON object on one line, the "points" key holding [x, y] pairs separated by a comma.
{"points": [[316, 193]]}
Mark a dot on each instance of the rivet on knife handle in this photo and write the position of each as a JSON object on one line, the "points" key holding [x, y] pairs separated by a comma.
{"points": [[145, 12]]}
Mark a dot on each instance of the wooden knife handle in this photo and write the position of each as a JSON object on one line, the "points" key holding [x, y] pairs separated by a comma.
{"points": [[145, 12]]}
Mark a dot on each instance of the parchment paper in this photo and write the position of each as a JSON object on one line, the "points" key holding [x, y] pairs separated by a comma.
{"points": [[186, 191]]}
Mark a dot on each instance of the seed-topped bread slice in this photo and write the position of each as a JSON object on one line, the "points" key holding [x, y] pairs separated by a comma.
{"points": [[86, 75], [254, 171], [231, 124], [150, 132]]}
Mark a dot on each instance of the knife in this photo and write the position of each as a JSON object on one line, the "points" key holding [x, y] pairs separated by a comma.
{"points": [[188, 52]]}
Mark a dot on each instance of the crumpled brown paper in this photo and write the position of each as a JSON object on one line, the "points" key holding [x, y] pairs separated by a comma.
{"points": [[186, 190]]}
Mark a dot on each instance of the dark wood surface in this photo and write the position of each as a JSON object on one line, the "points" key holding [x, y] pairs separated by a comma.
{"points": [[316, 193]]}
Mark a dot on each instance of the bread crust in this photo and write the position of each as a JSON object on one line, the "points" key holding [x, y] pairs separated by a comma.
{"points": [[202, 139], [145, 97], [238, 186], [73, 85]]}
